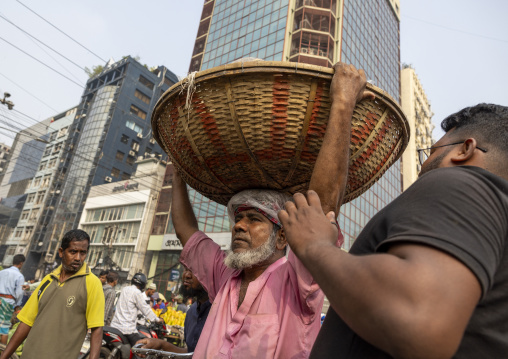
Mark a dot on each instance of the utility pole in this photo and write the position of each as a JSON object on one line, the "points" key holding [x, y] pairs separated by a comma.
{"points": [[4, 101]]}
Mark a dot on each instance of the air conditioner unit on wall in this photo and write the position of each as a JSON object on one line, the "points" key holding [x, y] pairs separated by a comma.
{"points": [[108, 179], [140, 135], [132, 153], [152, 141]]}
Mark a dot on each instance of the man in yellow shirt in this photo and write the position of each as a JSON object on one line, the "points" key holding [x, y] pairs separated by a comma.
{"points": [[68, 301]]}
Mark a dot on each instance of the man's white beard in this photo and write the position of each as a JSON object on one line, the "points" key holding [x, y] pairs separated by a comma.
{"points": [[251, 257]]}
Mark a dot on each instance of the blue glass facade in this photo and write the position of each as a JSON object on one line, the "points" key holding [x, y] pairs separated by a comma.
{"points": [[368, 35], [238, 30], [370, 40]]}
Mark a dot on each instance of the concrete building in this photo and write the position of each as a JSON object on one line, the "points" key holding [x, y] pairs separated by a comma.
{"points": [[21, 167], [164, 244], [320, 32], [45, 186], [110, 130], [417, 108], [118, 217]]}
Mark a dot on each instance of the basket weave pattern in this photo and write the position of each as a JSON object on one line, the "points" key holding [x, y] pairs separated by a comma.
{"points": [[261, 125]]}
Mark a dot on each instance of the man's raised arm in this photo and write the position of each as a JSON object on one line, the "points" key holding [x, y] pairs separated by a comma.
{"points": [[182, 215], [329, 176]]}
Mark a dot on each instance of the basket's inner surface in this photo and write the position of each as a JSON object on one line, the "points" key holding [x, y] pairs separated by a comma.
{"points": [[264, 129]]}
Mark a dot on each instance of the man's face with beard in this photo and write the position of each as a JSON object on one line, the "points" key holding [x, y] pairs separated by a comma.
{"points": [[191, 286], [253, 240], [438, 154]]}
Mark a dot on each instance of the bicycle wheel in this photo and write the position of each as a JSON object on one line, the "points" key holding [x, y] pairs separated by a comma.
{"points": [[2, 348]]}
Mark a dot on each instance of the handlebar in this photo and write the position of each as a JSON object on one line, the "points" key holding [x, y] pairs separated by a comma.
{"points": [[152, 353]]}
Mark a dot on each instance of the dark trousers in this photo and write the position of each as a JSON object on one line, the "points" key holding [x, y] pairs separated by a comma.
{"points": [[133, 338]]}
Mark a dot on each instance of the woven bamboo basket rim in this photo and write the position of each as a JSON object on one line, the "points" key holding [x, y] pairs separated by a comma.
{"points": [[279, 67]]}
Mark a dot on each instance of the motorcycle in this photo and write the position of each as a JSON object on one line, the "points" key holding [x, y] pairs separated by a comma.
{"points": [[116, 346]]}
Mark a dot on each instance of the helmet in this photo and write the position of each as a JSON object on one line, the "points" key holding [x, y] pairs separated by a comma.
{"points": [[139, 280]]}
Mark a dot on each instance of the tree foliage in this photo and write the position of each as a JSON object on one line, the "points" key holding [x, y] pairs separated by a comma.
{"points": [[94, 71]]}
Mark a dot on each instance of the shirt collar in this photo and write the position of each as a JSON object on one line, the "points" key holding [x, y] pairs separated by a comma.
{"points": [[14, 268], [84, 270]]}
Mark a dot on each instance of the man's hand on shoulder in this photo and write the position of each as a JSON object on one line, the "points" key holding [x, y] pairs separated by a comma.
{"points": [[307, 228]]}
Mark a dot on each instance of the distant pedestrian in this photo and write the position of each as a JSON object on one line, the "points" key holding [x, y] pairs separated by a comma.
{"points": [[102, 276], [11, 293], [109, 296]]}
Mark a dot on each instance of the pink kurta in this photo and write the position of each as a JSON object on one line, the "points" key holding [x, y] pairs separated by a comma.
{"points": [[279, 317]]}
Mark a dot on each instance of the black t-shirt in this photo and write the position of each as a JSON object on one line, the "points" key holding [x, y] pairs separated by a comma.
{"points": [[462, 211], [194, 323]]}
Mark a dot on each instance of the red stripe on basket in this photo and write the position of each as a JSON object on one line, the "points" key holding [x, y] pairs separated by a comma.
{"points": [[316, 131], [209, 124], [353, 180], [181, 149], [280, 104], [360, 133]]}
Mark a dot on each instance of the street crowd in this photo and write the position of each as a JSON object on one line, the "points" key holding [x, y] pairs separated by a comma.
{"points": [[426, 278]]}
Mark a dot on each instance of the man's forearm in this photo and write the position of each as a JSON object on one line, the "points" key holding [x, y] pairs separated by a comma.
{"points": [[19, 336], [329, 177], [381, 298], [95, 342], [182, 214], [168, 347]]}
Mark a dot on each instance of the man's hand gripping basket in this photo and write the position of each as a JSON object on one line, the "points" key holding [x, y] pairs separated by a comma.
{"points": [[261, 124]]}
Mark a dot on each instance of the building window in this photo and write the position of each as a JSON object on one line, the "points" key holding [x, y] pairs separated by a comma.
{"points": [[133, 126], [124, 139], [24, 215], [125, 176], [63, 131], [168, 82], [52, 163], [142, 97], [143, 80], [138, 112], [47, 151], [17, 234], [119, 155], [159, 224], [28, 233], [135, 145], [37, 182], [115, 172], [42, 165], [130, 160], [53, 136], [57, 148], [30, 198], [45, 181], [34, 213], [40, 197]]}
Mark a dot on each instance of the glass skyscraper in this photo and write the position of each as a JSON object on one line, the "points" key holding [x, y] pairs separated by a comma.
{"points": [[364, 33]]}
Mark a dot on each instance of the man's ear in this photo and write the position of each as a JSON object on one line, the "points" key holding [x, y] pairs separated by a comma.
{"points": [[281, 239], [465, 153], [60, 252]]}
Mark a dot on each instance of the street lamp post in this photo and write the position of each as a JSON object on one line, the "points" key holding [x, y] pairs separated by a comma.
{"points": [[4, 101]]}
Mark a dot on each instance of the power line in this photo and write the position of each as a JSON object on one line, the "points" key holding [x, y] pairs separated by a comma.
{"points": [[49, 47], [38, 99], [39, 61], [90, 51], [456, 30]]}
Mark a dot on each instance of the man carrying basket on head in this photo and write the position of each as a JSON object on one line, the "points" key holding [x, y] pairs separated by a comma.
{"points": [[264, 304]]}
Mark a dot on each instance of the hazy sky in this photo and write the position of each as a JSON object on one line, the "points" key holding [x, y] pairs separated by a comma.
{"points": [[459, 49]]}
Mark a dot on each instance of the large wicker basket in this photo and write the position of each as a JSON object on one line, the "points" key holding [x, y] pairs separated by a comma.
{"points": [[261, 124]]}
